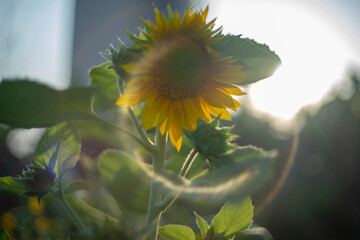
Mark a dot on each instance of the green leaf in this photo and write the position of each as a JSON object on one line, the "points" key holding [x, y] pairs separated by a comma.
{"points": [[177, 232], [125, 179], [26, 104], [14, 185], [85, 209], [105, 81], [202, 224], [257, 59], [64, 139], [233, 217], [4, 234], [254, 233]]}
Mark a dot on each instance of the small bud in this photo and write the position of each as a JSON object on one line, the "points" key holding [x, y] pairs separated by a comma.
{"points": [[211, 141]]}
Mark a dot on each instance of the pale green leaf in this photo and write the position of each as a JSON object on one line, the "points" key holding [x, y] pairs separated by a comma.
{"points": [[257, 59], [233, 217], [177, 232], [202, 224], [85, 209], [125, 179], [63, 138], [105, 80]]}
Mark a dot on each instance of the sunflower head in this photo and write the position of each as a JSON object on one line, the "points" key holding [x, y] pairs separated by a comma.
{"points": [[179, 76]]}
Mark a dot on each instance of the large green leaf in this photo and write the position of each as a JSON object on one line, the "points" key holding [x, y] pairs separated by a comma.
{"points": [[125, 179], [177, 232], [14, 185], [257, 59], [105, 81], [27, 104], [233, 217], [58, 149]]}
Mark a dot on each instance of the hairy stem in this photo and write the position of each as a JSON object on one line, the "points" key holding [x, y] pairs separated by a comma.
{"points": [[169, 199], [155, 194], [60, 196]]}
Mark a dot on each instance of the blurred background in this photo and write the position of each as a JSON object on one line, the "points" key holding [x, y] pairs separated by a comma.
{"points": [[315, 94]]}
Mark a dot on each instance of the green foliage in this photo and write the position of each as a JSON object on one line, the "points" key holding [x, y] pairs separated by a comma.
{"points": [[14, 185], [98, 217], [58, 149], [177, 232], [125, 179], [26, 104], [4, 234], [211, 141], [105, 80], [233, 217], [126, 188], [254, 233], [235, 181], [122, 56], [257, 59], [202, 224]]}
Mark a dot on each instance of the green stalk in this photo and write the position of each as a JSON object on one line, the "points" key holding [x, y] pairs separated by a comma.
{"points": [[155, 195], [187, 163], [169, 199], [60, 196]]}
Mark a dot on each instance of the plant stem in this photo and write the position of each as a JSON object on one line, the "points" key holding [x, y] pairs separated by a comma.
{"points": [[155, 194], [169, 199], [187, 163], [133, 117], [78, 222]]}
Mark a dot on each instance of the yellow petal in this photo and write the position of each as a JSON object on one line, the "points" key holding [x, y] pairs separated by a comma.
{"points": [[219, 112]]}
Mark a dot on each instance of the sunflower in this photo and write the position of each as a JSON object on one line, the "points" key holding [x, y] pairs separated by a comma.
{"points": [[180, 77]]}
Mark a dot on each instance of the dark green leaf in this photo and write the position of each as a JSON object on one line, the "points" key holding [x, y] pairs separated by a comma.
{"points": [[4, 234], [105, 81], [14, 185], [27, 104], [257, 59], [125, 179], [233, 217], [63, 138], [177, 232], [202, 224]]}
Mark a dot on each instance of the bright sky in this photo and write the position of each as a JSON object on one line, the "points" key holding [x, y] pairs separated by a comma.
{"points": [[36, 39], [314, 44], [36, 42]]}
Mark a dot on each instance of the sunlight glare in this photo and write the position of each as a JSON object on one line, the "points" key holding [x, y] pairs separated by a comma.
{"points": [[313, 46]]}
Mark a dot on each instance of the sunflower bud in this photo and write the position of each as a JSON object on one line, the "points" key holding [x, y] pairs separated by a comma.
{"points": [[211, 141], [38, 180]]}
